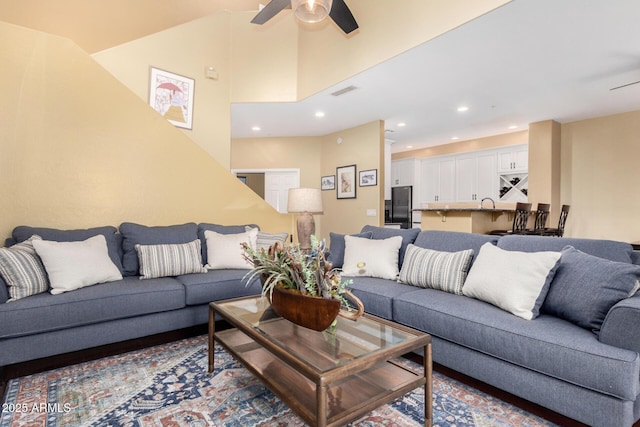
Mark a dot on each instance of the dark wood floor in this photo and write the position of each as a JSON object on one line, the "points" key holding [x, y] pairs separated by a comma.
{"points": [[41, 365]]}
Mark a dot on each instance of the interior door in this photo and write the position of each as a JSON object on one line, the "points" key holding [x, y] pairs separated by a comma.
{"points": [[276, 187]]}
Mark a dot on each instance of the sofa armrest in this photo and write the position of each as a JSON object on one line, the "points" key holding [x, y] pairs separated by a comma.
{"points": [[621, 327]]}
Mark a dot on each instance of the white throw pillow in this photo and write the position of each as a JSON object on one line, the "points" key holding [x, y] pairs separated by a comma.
{"points": [[371, 257], [74, 265], [515, 281], [225, 250]]}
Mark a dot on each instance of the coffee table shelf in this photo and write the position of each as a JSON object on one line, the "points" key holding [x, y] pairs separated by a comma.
{"points": [[328, 378]]}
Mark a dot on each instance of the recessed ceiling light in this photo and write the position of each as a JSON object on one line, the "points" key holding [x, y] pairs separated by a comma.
{"points": [[409, 146], [454, 138], [319, 113], [255, 128], [463, 108], [402, 124], [513, 127]]}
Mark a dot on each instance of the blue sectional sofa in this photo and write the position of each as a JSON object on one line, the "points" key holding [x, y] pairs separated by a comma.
{"points": [[592, 377], [43, 324]]}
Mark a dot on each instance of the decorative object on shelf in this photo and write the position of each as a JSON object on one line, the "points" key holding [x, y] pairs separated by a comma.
{"points": [[328, 182], [171, 95], [369, 178], [306, 201], [296, 281], [346, 176]]}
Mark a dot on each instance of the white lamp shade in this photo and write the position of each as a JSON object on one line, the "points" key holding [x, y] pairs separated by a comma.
{"points": [[311, 10], [304, 200]]}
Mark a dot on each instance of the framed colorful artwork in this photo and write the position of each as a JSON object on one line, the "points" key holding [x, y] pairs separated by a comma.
{"points": [[171, 95], [346, 185]]}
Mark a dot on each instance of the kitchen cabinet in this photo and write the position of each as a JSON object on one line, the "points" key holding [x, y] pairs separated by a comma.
{"points": [[476, 176], [513, 159], [438, 177], [402, 172]]}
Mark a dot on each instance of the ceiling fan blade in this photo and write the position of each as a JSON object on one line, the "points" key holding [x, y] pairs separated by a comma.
{"points": [[270, 10], [628, 84], [342, 16]]}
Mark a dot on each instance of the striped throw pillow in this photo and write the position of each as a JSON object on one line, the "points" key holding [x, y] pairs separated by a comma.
{"points": [[22, 270], [266, 240], [169, 259], [427, 268]]}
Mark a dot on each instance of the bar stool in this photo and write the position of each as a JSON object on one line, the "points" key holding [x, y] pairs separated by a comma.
{"points": [[562, 220], [520, 220], [542, 213]]}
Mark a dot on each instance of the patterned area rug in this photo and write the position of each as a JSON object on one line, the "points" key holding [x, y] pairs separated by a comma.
{"points": [[168, 385]]}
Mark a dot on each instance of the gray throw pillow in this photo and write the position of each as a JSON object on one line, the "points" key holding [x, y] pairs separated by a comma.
{"points": [[585, 288], [22, 270]]}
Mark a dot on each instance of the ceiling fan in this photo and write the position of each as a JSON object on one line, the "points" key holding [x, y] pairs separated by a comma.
{"points": [[311, 11]]}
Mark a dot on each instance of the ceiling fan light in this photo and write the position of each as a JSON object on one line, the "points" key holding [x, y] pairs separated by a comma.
{"points": [[311, 11]]}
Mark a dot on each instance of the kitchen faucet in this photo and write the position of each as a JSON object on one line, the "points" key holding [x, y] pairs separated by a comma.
{"points": [[488, 198]]}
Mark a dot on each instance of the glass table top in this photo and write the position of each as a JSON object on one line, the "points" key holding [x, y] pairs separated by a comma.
{"points": [[345, 341]]}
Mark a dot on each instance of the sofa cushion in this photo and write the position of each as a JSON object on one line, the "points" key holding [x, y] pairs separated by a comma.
{"points": [[136, 234], [512, 280], [114, 240], [217, 285], [607, 249], [22, 270], [547, 344], [4, 291], [218, 228], [585, 288], [427, 268], [170, 259], [408, 236], [226, 251], [336, 247], [371, 258], [94, 304], [74, 265], [377, 294], [265, 240], [454, 241]]}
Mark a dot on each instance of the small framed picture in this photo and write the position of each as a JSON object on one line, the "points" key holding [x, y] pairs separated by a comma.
{"points": [[369, 178], [346, 185], [328, 182], [171, 95]]}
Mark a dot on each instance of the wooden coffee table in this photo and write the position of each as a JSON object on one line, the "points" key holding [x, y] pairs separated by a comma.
{"points": [[328, 378]]}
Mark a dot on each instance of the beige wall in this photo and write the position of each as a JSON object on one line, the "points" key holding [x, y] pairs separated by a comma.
{"points": [[362, 146], [79, 149], [381, 36], [317, 157], [600, 174], [185, 50], [494, 141]]}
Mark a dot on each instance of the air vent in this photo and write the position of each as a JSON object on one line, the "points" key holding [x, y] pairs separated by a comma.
{"points": [[344, 90], [389, 131]]}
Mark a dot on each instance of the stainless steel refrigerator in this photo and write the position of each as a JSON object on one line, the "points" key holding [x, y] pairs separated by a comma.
{"points": [[401, 206]]}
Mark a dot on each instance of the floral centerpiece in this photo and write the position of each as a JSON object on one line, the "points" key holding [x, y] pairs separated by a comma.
{"points": [[306, 273]]}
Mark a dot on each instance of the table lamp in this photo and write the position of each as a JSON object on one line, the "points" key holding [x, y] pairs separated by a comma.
{"points": [[305, 201]]}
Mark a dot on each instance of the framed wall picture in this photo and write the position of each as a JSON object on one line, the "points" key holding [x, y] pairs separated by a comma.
{"points": [[171, 95], [368, 178], [328, 182], [346, 185]]}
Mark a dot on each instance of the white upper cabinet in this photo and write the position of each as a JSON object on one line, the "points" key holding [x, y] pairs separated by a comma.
{"points": [[513, 159], [438, 177], [476, 176], [402, 172]]}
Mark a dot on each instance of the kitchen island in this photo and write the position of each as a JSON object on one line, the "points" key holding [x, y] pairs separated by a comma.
{"points": [[467, 219]]}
